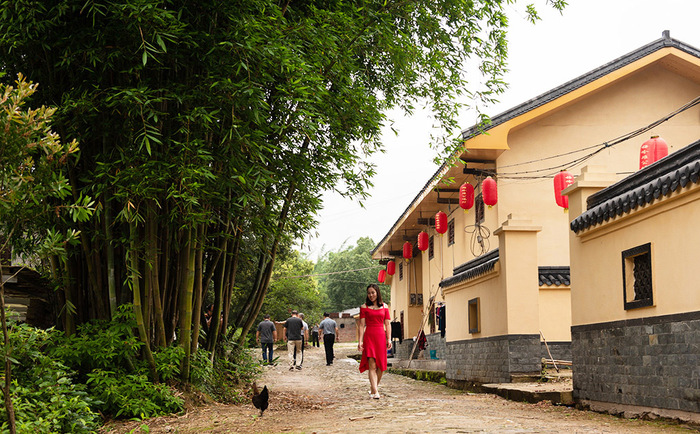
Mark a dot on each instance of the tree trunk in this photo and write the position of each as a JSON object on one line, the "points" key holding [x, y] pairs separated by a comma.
{"points": [[198, 289], [136, 289], [111, 277], [187, 257], [152, 274]]}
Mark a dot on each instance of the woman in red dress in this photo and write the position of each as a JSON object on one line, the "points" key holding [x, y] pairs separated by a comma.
{"points": [[375, 337]]}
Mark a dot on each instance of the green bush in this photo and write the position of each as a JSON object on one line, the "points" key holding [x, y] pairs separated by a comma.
{"points": [[132, 395], [106, 345], [168, 362], [44, 396]]}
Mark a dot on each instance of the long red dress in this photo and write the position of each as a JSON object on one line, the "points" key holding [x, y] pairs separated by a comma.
{"points": [[374, 339]]}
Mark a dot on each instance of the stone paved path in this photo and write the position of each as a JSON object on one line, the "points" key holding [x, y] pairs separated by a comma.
{"points": [[334, 399]]}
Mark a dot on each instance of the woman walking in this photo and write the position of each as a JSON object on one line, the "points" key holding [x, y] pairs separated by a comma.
{"points": [[375, 338]]}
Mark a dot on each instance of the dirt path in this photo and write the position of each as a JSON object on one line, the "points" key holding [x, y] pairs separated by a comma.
{"points": [[334, 399]]}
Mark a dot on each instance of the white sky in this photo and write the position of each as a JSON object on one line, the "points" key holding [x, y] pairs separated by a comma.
{"points": [[541, 57]]}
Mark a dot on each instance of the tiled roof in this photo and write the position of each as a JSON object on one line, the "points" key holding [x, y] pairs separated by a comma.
{"points": [[474, 268], [665, 41], [557, 276], [645, 186]]}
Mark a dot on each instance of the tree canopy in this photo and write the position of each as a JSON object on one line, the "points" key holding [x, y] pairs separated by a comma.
{"points": [[208, 131], [344, 275]]}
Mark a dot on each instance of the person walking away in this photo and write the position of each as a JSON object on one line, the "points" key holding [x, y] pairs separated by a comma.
{"points": [[329, 333], [266, 335], [292, 334], [304, 340], [314, 335], [375, 338]]}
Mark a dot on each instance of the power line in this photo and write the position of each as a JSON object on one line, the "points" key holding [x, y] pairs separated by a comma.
{"points": [[327, 274], [598, 148]]}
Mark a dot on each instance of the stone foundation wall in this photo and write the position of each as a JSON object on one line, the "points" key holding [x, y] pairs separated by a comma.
{"points": [[492, 360], [403, 350], [437, 343], [559, 350], [651, 362]]}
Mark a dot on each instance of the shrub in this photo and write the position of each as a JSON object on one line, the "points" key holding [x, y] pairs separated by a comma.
{"points": [[44, 396], [132, 395]]}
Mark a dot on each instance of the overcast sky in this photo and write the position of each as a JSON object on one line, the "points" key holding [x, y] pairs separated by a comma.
{"points": [[542, 56]]}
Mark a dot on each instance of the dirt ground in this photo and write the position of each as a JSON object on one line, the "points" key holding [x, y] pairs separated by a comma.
{"points": [[335, 399]]}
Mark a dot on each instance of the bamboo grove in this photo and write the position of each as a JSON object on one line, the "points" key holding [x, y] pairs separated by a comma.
{"points": [[209, 130]]}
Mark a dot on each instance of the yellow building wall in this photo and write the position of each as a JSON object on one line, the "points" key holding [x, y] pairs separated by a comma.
{"points": [[555, 313], [492, 302], [609, 112], [671, 227]]}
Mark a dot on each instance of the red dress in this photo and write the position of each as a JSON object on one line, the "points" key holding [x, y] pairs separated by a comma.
{"points": [[374, 339]]}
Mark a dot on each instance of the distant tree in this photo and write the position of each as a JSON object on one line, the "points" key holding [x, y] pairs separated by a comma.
{"points": [[292, 287], [346, 273]]}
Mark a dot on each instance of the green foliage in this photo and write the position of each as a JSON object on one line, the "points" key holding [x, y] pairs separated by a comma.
{"points": [[223, 379], [45, 397], [105, 356], [132, 395], [292, 287], [104, 345], [168, 362], [346, 273], [34, 189]]}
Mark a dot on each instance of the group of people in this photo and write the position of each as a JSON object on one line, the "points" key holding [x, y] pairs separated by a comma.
{"points": [[374, 338], [296, 334]]}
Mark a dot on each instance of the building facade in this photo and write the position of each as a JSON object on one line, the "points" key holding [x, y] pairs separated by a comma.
{"points": [[501, 274]]}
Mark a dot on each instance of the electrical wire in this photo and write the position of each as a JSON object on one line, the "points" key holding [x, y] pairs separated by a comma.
{"points": [[552, 170], [479, 237], [326, 274]]}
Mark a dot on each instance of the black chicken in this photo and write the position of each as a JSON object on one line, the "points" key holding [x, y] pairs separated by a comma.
{"points": [[260, 398]]}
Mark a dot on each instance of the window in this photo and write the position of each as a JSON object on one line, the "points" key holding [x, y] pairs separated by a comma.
{"points": [[451, 232], [431, 248], [400, 270], [636, 277], [474, 315], [479, 209]]}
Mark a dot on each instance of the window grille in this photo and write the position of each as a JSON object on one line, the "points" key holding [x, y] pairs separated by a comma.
{"points": [[451, 232], [636, 277]]}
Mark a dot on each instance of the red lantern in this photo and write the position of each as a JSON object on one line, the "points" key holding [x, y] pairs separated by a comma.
{"points": [[652, 150], [382, 276], [466, 196], [562, 180], [390, 268], [407, 250], [489, 191], [441, 222], [423, 241]]}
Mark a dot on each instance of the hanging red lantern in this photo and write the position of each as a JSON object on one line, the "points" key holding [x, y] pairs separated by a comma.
{"points": [[652, 151], [466, 196], [489, 191], [562, 180], [382, 276], [441, 222], [390, 268], [423, 241], [407, 250]]}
